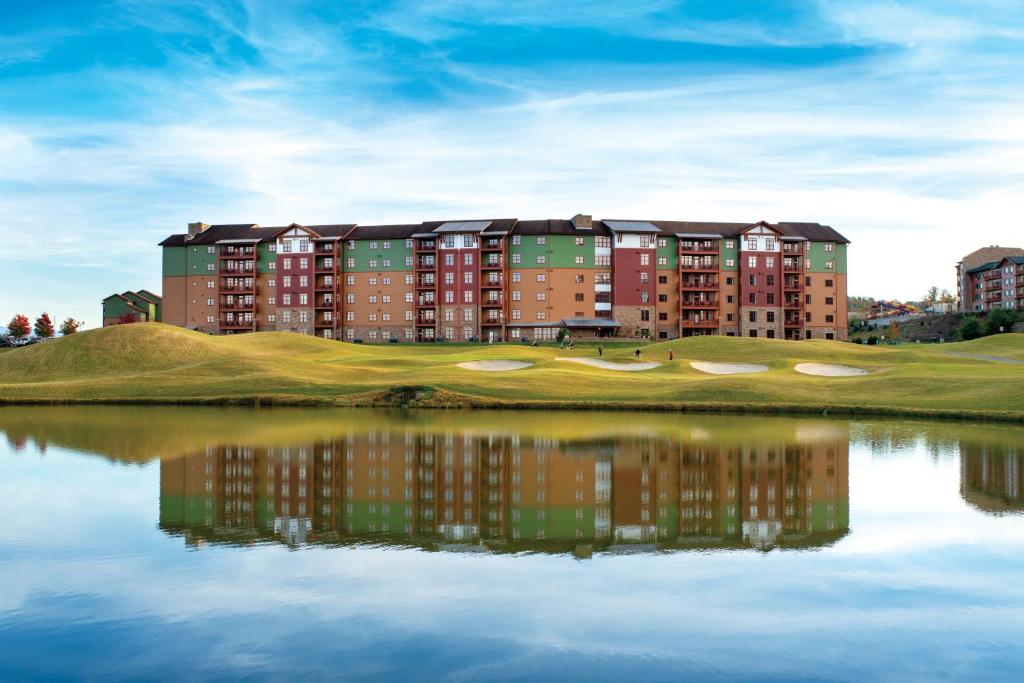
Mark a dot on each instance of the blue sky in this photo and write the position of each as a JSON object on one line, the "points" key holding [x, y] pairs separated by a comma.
{"points": [[899, 123]]}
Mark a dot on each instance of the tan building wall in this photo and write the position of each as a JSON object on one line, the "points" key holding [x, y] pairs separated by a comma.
{"points": [[384, 318], [175, 302], [201, 303], [729, 307], [827, 297], [667, 328]]}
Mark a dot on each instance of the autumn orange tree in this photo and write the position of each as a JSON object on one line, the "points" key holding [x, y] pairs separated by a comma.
{"points": [[69, 326], [19, 327], [44, 326]]}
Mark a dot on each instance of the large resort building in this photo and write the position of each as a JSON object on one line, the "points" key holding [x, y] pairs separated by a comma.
{"points": [[991, 278], [509, 279]]}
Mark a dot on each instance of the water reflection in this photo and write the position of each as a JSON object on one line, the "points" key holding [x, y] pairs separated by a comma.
{"points": [[507, 493], [991, 478]]}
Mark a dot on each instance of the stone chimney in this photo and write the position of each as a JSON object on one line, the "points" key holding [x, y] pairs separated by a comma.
{"points": [[583, 222], [195, 228]]}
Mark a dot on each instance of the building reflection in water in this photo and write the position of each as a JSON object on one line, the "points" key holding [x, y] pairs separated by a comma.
{"points": [[505, 494], [991, 477]]}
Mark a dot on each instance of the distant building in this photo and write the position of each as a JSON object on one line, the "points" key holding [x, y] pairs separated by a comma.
{"points": [[509, 279], [144, 305], [972, 294]]}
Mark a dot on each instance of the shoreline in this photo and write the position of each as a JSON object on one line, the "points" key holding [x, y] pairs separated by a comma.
{"points": [[398, 397]]}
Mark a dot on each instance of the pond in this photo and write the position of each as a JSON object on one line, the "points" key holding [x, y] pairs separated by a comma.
{"points": [[169, 543]]}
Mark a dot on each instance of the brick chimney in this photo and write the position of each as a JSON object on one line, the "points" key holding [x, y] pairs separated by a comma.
{"points": [[583, 222], [196, 228]]}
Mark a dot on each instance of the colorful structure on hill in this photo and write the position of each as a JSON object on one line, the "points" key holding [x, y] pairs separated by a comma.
{"points": [[510, 279], [141, 306], [991, 278]]}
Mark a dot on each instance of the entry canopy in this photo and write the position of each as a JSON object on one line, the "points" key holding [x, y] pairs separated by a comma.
{"points": [[589, 322], [463, 226]]}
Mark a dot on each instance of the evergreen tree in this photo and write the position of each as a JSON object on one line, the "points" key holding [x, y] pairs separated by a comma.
{"points": [[971, 329], [999, 318]]}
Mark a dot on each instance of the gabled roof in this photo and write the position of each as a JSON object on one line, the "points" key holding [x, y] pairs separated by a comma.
{"points": [[129, 294], [156, 298], [555, 226], [128, 301], [985, 255]]}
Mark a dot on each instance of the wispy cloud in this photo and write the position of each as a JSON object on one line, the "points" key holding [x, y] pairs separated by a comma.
{"points": [[899, 123]]}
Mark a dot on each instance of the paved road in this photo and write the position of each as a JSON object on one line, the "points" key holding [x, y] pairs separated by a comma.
{"points": [[981, 356]]}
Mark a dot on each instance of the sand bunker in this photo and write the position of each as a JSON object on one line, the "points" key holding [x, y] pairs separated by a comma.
{"points": [[608, 365], [826, 370], [728, 368], [494, 365]]}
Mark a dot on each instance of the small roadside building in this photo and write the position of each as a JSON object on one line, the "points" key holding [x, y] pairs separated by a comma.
{"points": [[141, 306]]}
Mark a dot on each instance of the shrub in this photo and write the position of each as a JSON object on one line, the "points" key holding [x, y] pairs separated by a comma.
{"points": [[970, 329], [999, 318], [69, 326]]}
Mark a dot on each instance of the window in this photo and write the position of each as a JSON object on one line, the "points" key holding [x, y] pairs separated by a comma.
{"points": [[286, 281], [663, 298], [663, 316], [541, 259], [517, 240], [769, 316], [287, 244], [286, 299], [373, 246], [210, 267], [730, 244], [303, 299], [350, 280], [830, 265], [752, 243], [830, 318], [645, 315], [209, 302], [769, 244], [210, 285], [645, 297], [350, 316], [541, 277], [769, 261], [350, 298], [303, 263], [662, 242], [286, 316], [580, 279], [385, 298], [541, 296], [829, 301], [807, 317], [408, 279], [753, 298], [829, 246], [662, 260], [752, 262], [467, 297], [272, 265], [753, 316], [516, 295], [408, 315], [541, 240], [579, 241], [516, 276], [730, 281], [372, 263], [303, 281], [408, 260], [645, 278], [645, 259], [602, 259], [752, 333], [271, 318], [517, 314], [807, 298], [350, 263], [769, 299], [579, 260], [517, 258], [371, 317], [303, 316], [579, 296], [209, 318], [753, 280]]}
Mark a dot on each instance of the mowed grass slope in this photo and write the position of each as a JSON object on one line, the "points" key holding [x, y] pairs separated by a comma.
{"points": [[159, 363]]}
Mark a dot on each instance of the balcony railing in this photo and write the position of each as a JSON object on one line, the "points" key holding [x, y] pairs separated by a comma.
{"points": [[426, 264], [702, 246], [792, 283], [791, 265], [699, 302], [699, 283], [704, 264], [699, 321]]}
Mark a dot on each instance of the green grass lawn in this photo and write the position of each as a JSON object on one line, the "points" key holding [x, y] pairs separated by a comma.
{"points": [[159, 363]]}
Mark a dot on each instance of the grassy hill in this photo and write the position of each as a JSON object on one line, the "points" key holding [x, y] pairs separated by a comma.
{"points": [[159, 363]]}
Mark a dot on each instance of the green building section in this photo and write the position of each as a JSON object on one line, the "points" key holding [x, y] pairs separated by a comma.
{"points": [[361, 254], [818, 255], [558, 251], [174, 261], [179, 509], [729, 253], [150, 303], [264, 257], [669, 252], [200, 258], [369, 517], [557, 522], [668, 521]]}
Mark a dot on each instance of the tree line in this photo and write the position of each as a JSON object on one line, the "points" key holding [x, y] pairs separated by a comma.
{"points": [[20, 327]]}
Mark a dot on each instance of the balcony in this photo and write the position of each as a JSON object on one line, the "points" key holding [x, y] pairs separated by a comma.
{"points": [[792, 249], [792, 302], [425, 245], [699, 265], [426, 264], [792, 320], [491, 245], [790, 265], [326, 248], [698, 247], [491, 264], [237, 324], [700, 321], [240, 289], [234, 253], [493, 303], [426, 302], [232, 267], [238, 306], [699, 283], [792, 284], [323, 321], [425, 283], [492, 284], [325, 265], [324, 302], [699, 302]]}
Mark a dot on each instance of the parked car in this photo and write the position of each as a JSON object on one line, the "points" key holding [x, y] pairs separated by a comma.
{"points": [[7, 342]]}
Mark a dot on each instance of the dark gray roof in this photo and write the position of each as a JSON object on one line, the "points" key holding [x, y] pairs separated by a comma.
{"points": [[590, 322], [556, 226]]}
